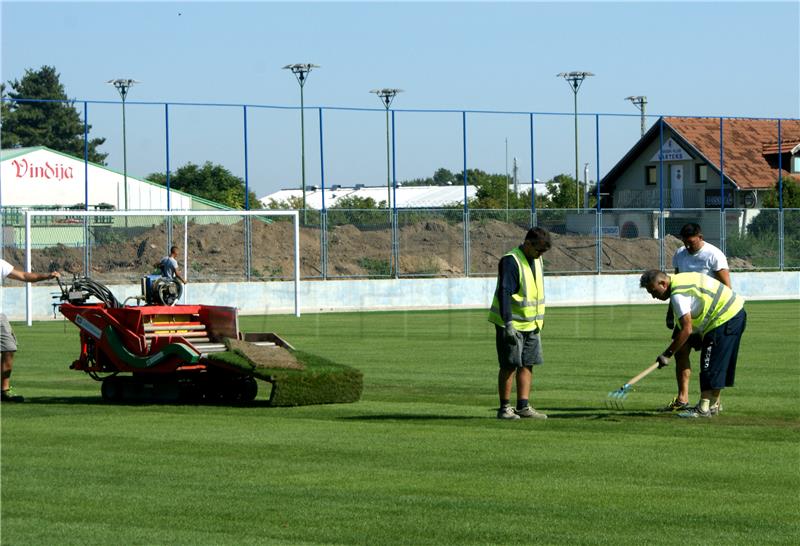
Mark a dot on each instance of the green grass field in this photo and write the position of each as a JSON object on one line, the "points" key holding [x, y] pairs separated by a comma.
{"points": [[421, 459]]}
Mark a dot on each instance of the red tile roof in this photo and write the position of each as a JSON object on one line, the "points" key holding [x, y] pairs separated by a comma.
{"points": [[746, 146]]}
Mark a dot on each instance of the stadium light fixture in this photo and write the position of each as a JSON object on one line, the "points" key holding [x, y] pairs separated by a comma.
{"points": [[386, 96], [575, 79], [639, 102], [301, 71], [123, 85]]}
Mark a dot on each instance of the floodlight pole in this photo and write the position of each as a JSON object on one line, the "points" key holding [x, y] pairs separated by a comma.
{"points": [[123, 85], [575, 79], [639, 102], [301, 71], [386, 96]]}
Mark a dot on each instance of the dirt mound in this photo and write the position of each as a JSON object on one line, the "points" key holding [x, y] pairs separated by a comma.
{"points": [[427, 247]]}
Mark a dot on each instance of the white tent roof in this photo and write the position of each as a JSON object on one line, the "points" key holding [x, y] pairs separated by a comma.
{"points": [[407, 197]]}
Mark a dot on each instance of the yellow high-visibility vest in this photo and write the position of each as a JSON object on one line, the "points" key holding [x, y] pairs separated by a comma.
{"points": [[527, 305], [720, 303]]}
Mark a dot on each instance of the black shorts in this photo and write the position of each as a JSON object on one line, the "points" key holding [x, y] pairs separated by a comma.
{"points": [[526, 352], [719, 353]]}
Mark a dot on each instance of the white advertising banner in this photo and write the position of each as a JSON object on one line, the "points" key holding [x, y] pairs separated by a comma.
{"points": [[44, 177]]}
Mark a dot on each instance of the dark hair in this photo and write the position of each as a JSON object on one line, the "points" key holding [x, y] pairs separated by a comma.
{"points": [[690, 230], [173, 249], [651, 276], [539, 234]]}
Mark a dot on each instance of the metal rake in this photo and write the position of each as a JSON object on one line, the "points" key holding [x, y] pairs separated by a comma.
{"points": [[616, 399]]}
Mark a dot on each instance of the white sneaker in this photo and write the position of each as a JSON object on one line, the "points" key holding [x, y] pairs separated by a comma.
{"points": [[507, 412], [529, 413]]}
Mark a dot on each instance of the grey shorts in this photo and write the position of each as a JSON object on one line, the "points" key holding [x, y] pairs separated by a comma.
{"points": [[8, 341], [526, 352]]}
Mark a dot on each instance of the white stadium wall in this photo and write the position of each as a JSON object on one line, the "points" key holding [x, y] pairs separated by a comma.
{"points": [[257, 298]]}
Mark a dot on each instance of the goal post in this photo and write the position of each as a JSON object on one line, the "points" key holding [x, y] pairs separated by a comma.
{"points": [[79, 221]]}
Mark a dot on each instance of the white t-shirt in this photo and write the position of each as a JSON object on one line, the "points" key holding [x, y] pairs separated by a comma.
{"points": [[683, 303], [708, 260], [5, 270], [168, 266]]}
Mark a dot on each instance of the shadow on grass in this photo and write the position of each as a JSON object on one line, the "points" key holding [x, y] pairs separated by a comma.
{"points": [[410, 417], [98, 401]]}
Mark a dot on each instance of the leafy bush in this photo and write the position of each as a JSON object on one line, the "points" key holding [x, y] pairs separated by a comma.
{"points": [[376, 267]]}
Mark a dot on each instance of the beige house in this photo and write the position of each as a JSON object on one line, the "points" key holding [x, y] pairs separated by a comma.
{"points": [[752, 154]]}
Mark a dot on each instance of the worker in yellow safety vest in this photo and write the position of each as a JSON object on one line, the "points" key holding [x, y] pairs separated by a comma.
{"points": [[518, 315], [705, 306]]}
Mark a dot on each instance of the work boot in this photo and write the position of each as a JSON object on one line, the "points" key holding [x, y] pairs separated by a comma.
{"points": [[529, 413], [10, 396], [507, 412]]}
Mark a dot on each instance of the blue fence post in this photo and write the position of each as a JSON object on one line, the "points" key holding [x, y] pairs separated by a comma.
{"points": [[323, 215], [166, 137], [395, 226], [85, 155], [466, 205], [533, 174], [598, 213], [246, 179], [661, 222], [86, 255], [722, 185], [780, 167], [781, 222]]}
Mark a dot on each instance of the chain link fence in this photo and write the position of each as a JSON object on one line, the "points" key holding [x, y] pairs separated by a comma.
{"points": [[408, 243]]}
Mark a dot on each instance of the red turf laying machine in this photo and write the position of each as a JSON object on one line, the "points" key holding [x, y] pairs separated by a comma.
{"points": [[157, 350]]}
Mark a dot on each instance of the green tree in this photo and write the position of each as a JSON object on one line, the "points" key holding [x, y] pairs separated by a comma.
{"points": [[791, 195], [213, 182], [442, 177], [494, 192], [290, 203], [765, 225], [56, 124], [356, 202]]}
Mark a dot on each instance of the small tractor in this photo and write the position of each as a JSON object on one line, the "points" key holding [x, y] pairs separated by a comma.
{"points": [[159, 350]]}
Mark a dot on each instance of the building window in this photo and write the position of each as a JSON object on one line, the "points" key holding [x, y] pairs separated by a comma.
{"points": [[701, 174], [796, 163], [651, 175]]}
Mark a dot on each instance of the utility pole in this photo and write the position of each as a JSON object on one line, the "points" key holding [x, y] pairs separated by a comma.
{"points": [[639, 102], [575, 79]]}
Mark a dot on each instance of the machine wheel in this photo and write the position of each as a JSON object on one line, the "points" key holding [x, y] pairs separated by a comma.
{"points": [[249, 389], [112, 389]]}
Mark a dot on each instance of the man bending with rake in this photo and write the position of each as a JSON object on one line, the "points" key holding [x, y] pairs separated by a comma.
{"points": [[518, 314], [701, 257], [707, 307]]}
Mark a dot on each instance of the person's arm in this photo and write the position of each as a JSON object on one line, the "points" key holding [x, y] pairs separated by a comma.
{"points": [[723, 276], [508, 274], [179, 276], [26, 276]]}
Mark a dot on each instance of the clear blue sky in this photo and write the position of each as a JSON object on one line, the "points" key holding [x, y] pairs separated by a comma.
{"points": [[688, 58]]}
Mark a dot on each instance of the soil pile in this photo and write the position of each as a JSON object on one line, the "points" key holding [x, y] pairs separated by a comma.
{"points": [[429, 247]]}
